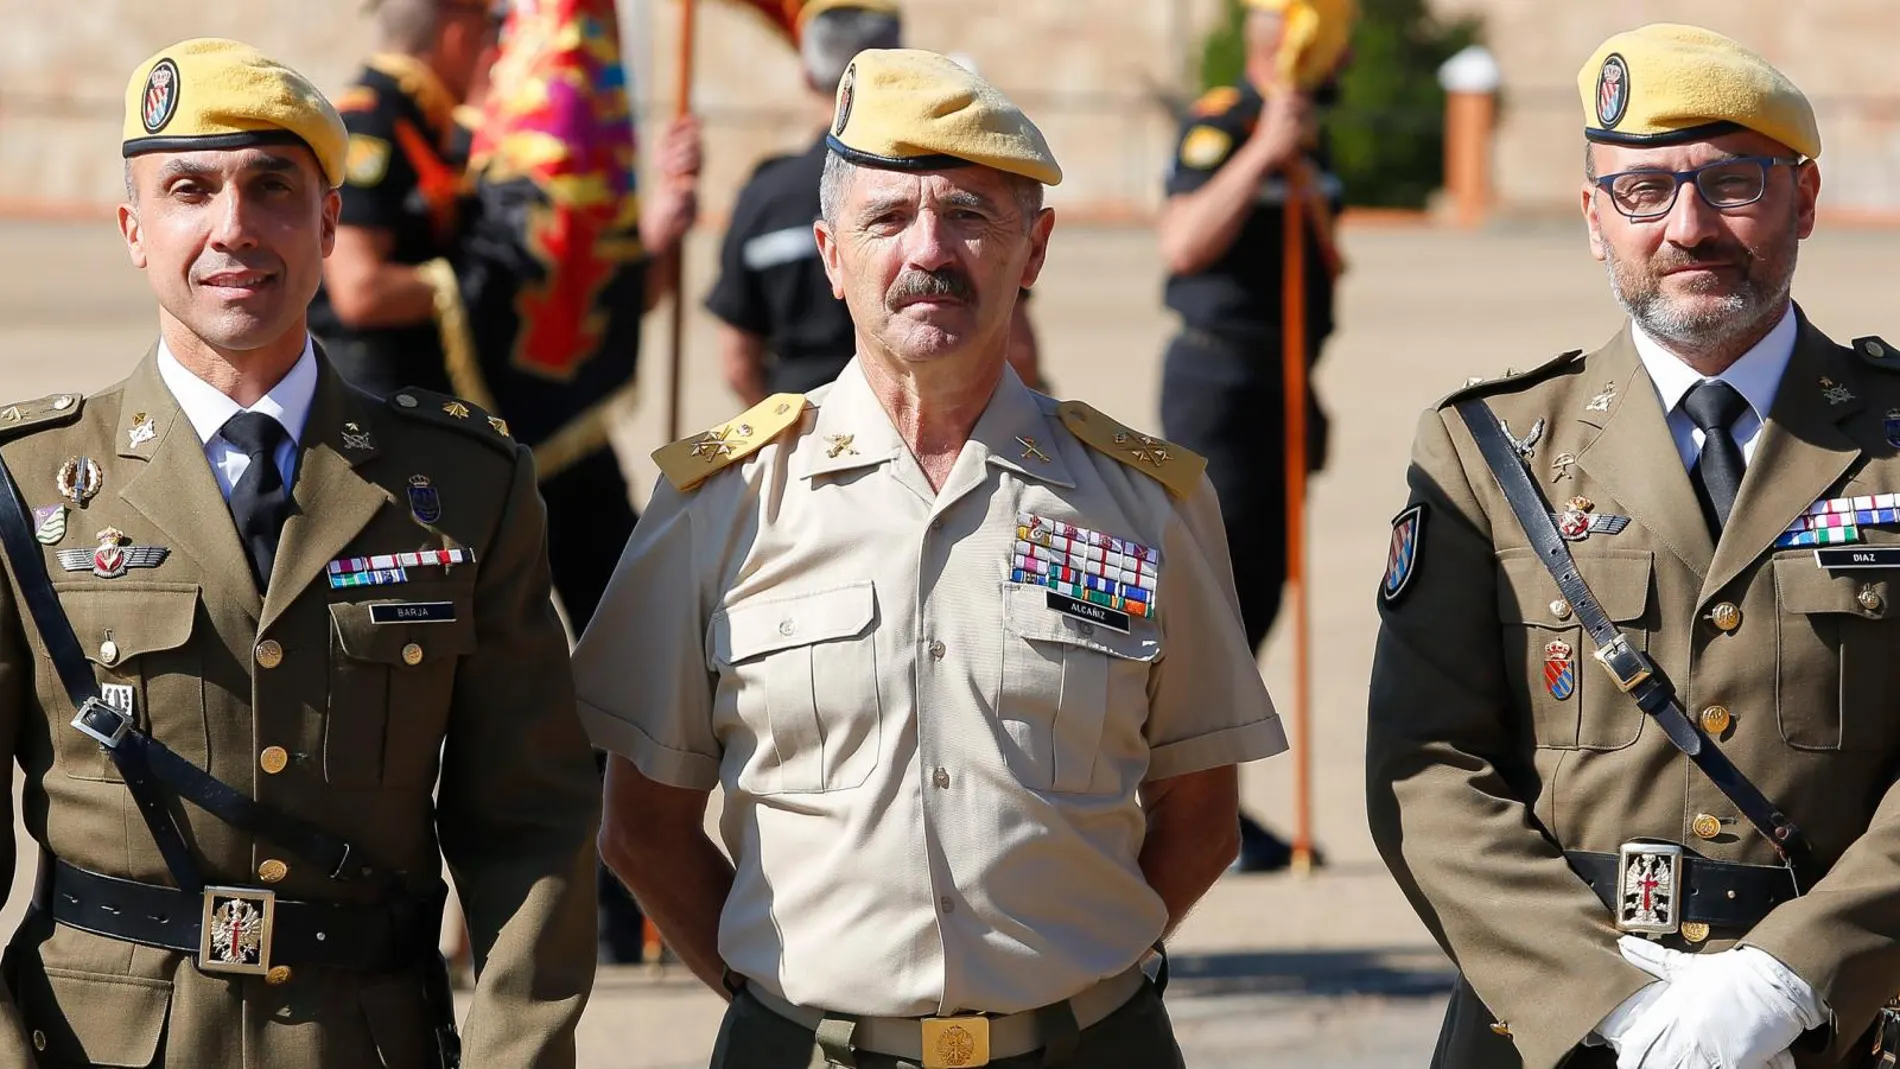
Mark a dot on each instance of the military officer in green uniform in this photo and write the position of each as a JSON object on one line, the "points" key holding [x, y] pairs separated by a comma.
{"points": [[238, 663], [1709, 880]]}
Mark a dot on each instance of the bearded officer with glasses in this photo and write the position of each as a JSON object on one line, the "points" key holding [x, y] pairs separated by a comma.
{"points": [[1694, 859]]}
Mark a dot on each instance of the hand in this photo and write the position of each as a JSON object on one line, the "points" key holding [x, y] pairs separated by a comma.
{"points": [[671, 208], [1282, 128], [1739, 1008], [679, 152]]}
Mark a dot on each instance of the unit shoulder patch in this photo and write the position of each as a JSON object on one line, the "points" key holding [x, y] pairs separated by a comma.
{"points": [[1176, 468], [1204, 147], [367, 160], [1217, 101], [1878, 352], [690, 461], [1511, 377], [444, 410], [53, 410]]}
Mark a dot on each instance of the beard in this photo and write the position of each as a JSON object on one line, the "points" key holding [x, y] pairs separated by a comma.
{"points": [[1716, 311]]}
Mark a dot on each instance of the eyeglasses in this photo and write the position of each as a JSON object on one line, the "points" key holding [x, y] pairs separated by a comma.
{"points": [[1731, 183]]}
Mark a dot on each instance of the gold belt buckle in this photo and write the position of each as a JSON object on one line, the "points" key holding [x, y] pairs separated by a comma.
{"points": [[235, 934], [956, 1042]]}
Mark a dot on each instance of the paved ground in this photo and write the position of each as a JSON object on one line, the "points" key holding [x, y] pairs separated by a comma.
{"points": [[1333, 971]]}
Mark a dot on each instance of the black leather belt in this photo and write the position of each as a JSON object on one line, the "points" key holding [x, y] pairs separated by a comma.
{"points": [[370, 938], [1720, 894]]}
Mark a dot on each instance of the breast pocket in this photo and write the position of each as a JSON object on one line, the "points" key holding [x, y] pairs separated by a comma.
{"points": [[138, 638], [1074, 693], [392, 679], [802, 670], [1573, 705], [1837, 663]]}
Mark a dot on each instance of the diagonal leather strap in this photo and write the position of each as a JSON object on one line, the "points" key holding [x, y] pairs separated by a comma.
{"points": [[75, 675], [1635, 673]]}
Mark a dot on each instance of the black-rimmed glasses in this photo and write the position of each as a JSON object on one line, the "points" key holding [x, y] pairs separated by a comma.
{"points": [[1732, 183]]}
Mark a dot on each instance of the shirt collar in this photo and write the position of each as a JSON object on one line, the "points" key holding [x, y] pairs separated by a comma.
{"points": [[208, 408], [1756, 376]]}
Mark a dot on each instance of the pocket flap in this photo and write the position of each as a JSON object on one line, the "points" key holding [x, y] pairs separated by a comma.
{"points": [[376, 630], [141, 617], [100, 1020], [1026, 613], [1528, 595], [1805, 587], [759, 626]]}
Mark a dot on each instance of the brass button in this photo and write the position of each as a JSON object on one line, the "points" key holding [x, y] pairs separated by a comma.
{"points": [[937, 650], [406, 400], [1727, 616], [412, 654], [1501, 1028], [1705, 826], [1695, 931], [1868, 599], [272, 871], [1560, 609], [270, 653], [108, 652], [941, 778], [273, 760], [39, 1040], [278, 974], [1715, 719]]}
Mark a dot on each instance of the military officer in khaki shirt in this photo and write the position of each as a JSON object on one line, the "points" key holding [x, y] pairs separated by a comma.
{"points": [[213, 529], [966, 661], [1712, 467]]}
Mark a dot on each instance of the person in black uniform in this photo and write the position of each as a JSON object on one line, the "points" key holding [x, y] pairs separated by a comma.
{"points": [[781, 328], [1222, 236], [402, 194]]}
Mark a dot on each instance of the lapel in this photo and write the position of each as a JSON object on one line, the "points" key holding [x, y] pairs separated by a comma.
{"points": [[1802, 452], [331, 502], [1634, 457], [1012, 434], [171, 485], [853, 431]]}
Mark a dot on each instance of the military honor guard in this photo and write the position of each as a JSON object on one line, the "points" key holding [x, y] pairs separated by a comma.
{"points": [[1632, 741], [965, 660], [238, 657]]}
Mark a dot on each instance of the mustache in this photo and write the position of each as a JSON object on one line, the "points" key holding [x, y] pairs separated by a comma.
{"points": [[943, 282], [1676, 258]]}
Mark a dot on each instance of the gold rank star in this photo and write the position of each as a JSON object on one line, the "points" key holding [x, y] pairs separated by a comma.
{"points": [[456, 409], [718, 443], [1148, 450]]}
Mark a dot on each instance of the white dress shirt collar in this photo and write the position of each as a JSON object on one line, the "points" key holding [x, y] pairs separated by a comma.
{"points": [[1756, 376], [208, 408]]}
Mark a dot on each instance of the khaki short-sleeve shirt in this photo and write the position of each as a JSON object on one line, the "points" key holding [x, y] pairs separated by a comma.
{"points": [[930, 774]]}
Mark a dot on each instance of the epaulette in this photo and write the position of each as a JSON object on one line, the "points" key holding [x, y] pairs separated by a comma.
{"points": [[1217, 101], [1511, 376], [1878, 352], [689, 461], [1176, 468], [444, 410], [51, 411]]}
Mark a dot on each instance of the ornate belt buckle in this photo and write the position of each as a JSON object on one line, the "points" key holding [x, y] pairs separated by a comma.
{"points": [[237, 928], [1624, 663], [1648, 888], [956, 1042]]}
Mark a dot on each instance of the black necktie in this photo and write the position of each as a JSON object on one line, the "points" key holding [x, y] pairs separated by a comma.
{"points": [[1714, 407], [258, 501]]}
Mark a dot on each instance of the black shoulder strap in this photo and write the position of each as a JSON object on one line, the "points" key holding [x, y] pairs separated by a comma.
{"points": [[1632, 669], [143, 761]]}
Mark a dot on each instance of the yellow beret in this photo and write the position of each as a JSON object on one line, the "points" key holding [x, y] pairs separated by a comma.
{"points": [[1665, 84], [814, 8], [211, 93], [910, 110], [1314, 39]]}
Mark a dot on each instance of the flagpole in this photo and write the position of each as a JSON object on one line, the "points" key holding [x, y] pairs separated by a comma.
{"points": [[683, 105], [1293, 365]]}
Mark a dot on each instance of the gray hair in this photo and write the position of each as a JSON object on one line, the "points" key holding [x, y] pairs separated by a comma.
{"points": [[407, 26], [832, 37], [839, 171], [131, 188]]}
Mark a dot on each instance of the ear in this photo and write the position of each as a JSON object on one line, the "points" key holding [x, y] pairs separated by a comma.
{"points": [[1592, 223], [1038, 246], [332, 211], [828, 254], [1807, 192], [133, 233]]}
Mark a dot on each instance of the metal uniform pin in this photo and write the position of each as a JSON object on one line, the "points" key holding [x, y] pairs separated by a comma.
{"points": [[114, 555], [456, 409], [355, 437], [500, 425], [1603, 400], [1030, 451], [79, 480], [109, 651], [1525, 447], [840, 445], [1835, 393], [1560, 670], [424, 503], [49, 524], [143, 430], [1561, 465]]}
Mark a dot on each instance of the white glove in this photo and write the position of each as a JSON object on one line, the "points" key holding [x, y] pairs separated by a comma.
{"points": [[1737, 1009]]}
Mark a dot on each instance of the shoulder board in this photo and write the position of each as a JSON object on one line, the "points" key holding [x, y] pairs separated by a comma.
{"points": [[1217, 101], [26, 416], [1172, 466], [1878, 352], [446, 411], [1476, 386], [689, 461]]}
